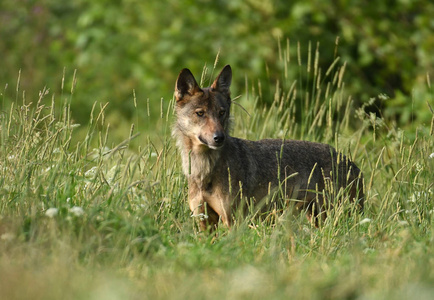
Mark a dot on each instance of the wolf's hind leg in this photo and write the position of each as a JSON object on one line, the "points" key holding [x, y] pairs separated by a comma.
{"points": [[315, 209]]}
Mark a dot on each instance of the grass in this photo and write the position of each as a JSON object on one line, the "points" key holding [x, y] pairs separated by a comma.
{"points": [[81, 218]]}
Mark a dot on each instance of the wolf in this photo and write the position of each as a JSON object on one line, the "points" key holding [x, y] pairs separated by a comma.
{"points": [[226, 173]]}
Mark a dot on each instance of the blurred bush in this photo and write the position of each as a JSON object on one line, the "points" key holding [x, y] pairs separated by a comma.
{"points": [[121, 46]]}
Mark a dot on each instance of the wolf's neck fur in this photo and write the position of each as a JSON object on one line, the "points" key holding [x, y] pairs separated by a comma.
{"points": [[198, 162]]}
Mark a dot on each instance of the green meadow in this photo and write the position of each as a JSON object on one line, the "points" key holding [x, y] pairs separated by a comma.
{"points": [[87, 216]]}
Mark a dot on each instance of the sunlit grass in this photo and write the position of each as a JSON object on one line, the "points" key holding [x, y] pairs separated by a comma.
{"points": [[82, 217]]}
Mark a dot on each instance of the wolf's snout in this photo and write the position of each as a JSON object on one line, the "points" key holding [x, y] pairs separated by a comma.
{"points": [[219, 138]]}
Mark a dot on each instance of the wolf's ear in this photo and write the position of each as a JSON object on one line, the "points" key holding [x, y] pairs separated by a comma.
{"points": [[223, 81], [185, 84]]}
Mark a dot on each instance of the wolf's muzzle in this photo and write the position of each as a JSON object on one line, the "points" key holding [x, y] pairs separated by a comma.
{"points": [[219, 138]]}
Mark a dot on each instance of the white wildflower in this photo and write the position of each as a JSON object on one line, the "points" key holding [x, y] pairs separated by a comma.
{"points": [[412, 199], [76, 211], [431, 155], [36, 138], [59, 125], [364, 221], [91, 172], [201, 216], [48, 169], [368, 250], [51, 212]]}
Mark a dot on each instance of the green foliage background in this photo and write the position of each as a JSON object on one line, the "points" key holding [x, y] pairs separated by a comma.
{"points": [[96, 211], [126, 49]]}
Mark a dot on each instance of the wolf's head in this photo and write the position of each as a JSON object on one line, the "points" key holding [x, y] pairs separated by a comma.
{"points": [[203, 113]]}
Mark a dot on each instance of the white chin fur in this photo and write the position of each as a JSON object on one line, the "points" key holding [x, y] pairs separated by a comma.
{"points": [[214, 147]]}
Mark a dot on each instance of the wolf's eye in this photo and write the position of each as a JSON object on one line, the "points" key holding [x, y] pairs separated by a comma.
{"points": [[200, 113], [222, 113]]}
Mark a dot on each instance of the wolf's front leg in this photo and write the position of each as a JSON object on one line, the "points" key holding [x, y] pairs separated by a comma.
{"points": [[204, 214], [219, 203], [201, 211]]}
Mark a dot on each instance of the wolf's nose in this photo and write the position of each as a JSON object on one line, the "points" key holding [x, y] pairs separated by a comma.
{"points": [[219, 138]]}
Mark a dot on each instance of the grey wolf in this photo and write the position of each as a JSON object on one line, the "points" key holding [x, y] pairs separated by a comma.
{"points": [[226, 173]]}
